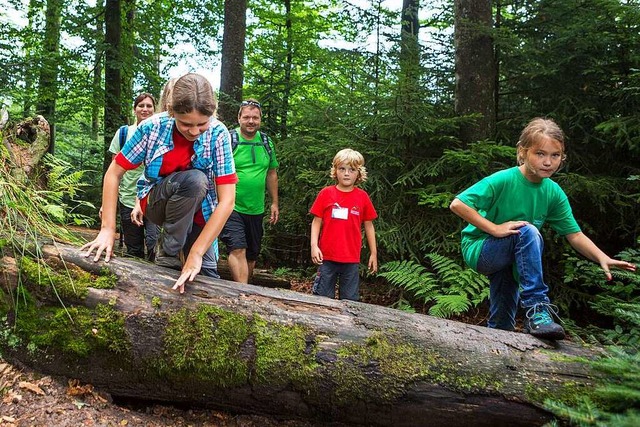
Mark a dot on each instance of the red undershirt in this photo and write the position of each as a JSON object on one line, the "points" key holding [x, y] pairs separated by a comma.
{"points": [[178, 159]]}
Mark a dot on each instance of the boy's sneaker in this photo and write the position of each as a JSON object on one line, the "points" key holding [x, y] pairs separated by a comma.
{"points": [[164, 260], [540, 324]]}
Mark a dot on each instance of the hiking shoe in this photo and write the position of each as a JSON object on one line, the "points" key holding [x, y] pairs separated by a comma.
{"points": [[540, 324], [164, 260]]}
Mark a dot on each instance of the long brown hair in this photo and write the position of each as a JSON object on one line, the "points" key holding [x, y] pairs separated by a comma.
{"points": [[193, 92]]}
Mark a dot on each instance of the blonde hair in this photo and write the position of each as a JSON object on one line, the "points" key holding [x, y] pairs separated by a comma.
{"points": [[535, 130], [193, 92], [165, 98], [354, 159]]}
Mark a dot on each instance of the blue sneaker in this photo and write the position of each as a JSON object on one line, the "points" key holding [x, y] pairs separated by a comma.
{"points": [[540, 324]]}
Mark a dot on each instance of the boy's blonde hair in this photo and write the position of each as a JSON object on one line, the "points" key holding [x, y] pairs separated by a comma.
{"points": [[533, 131], [352, 158]]}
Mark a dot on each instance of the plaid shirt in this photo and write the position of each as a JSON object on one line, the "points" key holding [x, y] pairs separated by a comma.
{"points": [[212, 155]]}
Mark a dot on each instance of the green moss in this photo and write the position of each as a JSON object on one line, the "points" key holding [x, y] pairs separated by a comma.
{"points": [[206, 343], [283, 354], [156, 302], [70, 283], [384, 366], [569, 393], [74, 330], [221, 346]]}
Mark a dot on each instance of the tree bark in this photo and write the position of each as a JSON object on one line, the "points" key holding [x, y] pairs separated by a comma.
{"points": [[276, 352], [232, 66], [27, 144], [475, 69], [48, 80], [113, 116]]}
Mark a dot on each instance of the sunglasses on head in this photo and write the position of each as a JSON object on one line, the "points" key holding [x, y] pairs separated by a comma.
{"points": [[252, 103]]}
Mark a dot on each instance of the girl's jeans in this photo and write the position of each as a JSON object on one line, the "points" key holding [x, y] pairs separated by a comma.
{"points": [[502, 260], [173, 203]]}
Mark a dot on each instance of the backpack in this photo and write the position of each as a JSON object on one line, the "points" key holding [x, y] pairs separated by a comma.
{"points": [[235, 141], [123, 135]]}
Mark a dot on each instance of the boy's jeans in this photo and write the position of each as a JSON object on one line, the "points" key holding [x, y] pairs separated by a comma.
{"points": [[500, 260], [328, 274]]}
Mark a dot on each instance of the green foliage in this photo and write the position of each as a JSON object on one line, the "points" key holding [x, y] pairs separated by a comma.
{"points": [[618, 300], [450, 290], [28, 214], [616, 399]]}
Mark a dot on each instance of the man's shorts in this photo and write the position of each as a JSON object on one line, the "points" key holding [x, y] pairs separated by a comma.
{"points": [[243, 231]]}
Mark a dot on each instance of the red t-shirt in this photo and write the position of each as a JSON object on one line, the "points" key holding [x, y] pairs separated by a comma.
{"points": [[178, 159], [341, 239]]}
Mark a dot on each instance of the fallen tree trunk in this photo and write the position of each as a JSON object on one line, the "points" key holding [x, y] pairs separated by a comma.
{"points": [[271, 351]]}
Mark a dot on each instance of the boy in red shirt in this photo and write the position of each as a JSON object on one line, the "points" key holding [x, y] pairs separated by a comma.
{"points": [[336, 231]]}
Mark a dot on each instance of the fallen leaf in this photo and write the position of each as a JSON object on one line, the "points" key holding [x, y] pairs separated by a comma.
{"points": [[12, 397], [76, 389], [45, 381], [79, 404], [31, 387], [124, 422], [8, 419]]}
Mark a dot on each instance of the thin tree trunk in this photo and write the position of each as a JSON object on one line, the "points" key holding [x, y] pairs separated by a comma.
{"points": [[475, 69], [128, 53], [113, 117], [288, 66], [48, 80], [96, 87], [232, 66], [30, 42]]}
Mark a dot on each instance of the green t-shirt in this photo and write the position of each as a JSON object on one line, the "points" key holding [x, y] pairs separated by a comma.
{"points": [[252, 174], [509, 196], [128, 189]]}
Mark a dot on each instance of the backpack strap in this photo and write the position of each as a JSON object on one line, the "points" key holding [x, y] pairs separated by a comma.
{"points": [[265, 142], [235, 141], [123, 135]]}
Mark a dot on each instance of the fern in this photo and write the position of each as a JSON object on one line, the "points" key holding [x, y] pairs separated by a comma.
{"points": [[451, 290]]}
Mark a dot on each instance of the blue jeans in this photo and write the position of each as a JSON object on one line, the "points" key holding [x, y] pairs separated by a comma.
{"points": [[328, 274], [502, 260]]}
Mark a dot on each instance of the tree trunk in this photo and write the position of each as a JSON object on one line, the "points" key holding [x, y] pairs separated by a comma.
{"points": [[409, 93], [288, 66], [27, 144], [96, 86], [127, 55], [48, 80], [475, 69], [232, 66], [113, 117], [277, 352]]}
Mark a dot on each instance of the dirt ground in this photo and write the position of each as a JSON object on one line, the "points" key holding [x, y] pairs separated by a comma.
{"points": [[30, 399]]}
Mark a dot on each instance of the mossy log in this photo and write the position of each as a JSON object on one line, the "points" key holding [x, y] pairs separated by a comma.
{"points": [[276, 352]]}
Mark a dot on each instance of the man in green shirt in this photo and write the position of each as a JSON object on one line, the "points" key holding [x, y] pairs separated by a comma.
{"points": [[256, 166]]}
